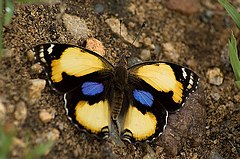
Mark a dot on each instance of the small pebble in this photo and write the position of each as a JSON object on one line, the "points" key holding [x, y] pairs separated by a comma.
{"points": [[132, 8], [2, 112], [195, 156], [20, 113], [53, 134], [170, 51], [215, 96], [35, 89], [95, 45], [99, 8], [36, 68], [206, 16], [215, 76], [30, 55], [147, 41], [76, 26], [145, 54], [45, 116]]}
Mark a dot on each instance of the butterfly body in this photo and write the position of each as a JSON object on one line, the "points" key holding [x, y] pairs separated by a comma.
{"points": [[97, 93]]}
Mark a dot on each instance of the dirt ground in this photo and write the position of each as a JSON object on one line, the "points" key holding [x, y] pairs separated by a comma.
{"points": [[196, 38]]}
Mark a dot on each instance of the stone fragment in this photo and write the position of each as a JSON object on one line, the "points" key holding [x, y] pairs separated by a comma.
{"points": [[20, 113], [145, 54], [215, 76], [45, 116], [95, 45], [170, 51], [184, 6], [35, 89], [76, 26]]}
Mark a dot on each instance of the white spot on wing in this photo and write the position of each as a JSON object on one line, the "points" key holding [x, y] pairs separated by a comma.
{"points": [[43, 60], [41, 55], [50, 49], [184, 73]]}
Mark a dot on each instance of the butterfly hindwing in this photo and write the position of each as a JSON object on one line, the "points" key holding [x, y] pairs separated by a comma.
{"points": [[88, 108], [66, 64]]}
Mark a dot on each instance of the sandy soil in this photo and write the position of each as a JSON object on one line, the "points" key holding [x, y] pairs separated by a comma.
{"points": [[197, 40]]}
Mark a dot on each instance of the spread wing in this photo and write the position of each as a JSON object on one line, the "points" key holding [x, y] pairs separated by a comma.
{"points": [[154, 88], [84, 78], [67, 65]]}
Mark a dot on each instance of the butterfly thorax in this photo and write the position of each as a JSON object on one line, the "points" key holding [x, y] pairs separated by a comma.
{"points": [[119, 85]]}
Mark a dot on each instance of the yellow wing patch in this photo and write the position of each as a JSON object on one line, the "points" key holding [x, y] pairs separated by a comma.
{"points": [[162, 78], [93, 117], [141, 125], [75, 62]]}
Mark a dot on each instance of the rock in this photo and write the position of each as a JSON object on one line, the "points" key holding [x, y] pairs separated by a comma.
{"points": [[53, 134], [215, 155], [215, 76], [95, 45], [147, 41], [145, 54], [76, 26], [2, 112], [99, 8], [184, 6], [35, 89], [45, 116], [215, 96], [114, 24], [30, 55], [170, 51], [20, 113], [186, 124], [132, 8], [37, 68]]}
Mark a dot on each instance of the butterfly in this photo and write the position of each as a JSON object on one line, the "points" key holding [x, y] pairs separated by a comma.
{"points": [[96, 93]]}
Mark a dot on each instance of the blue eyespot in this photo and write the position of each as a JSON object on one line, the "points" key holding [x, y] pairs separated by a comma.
{"points": [[143, 97], [92, 88]]}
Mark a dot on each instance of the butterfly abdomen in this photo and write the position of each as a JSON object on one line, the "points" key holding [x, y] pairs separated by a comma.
{"points": [[119, 84]]}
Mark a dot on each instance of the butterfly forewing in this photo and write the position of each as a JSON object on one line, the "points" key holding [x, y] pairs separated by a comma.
{"points": [[172, 82], [66, 64]]}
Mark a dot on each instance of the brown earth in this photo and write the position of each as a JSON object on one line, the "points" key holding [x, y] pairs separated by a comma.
{"points": [[196, 39]]}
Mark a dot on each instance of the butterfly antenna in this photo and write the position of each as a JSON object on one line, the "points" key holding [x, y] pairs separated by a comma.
{"points": [[120, 31], [140, 30], [123, 56]]}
